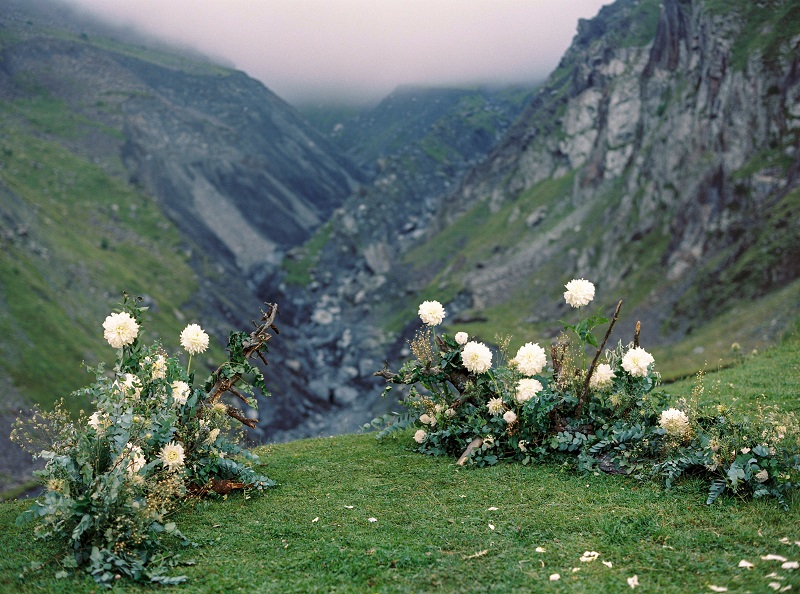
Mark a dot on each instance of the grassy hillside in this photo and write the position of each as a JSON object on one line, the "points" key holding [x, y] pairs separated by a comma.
{"points": [[74, 238], [352, 514]]}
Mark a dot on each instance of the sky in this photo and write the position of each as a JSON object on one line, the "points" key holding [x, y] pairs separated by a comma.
{"points": [[360, 50]]}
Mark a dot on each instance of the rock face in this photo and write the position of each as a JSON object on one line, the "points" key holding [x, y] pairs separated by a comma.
{"points": [[674, 158]]}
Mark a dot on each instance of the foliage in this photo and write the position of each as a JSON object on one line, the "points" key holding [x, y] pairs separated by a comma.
{"points": [[112, 480], [602, 417]]}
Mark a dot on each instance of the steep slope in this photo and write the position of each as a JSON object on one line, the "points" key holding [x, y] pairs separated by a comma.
{"points": [[661, 162], [129, 167]]}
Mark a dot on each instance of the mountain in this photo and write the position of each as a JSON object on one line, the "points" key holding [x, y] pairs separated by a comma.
{"points": [[658, 160]]}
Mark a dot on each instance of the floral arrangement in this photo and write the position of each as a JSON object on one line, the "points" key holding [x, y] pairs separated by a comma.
{"points": [[112, 479], [604, 415]]}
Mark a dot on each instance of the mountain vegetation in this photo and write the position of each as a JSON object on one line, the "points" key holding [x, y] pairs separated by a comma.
{"points": [[659, 160]]}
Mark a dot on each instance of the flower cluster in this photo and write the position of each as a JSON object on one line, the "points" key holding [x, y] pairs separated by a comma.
{"points": [[112, 477], [603, 416]]}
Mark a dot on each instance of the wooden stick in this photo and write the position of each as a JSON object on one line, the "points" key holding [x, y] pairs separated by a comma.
{"points": [[585, 394], [636, 334], [473, 445]]}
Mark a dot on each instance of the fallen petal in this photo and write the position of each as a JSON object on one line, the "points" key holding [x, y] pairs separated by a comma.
{"points": [[540, 549], [576, 569], [773, 558], [315, 520], [718, 588], [774, 585], [348, 507], [608, 564], [555, 577], [790, 565], [789, 587], [373, 519], [746, 564], [491, 526], [633, 581], [493, 509]]}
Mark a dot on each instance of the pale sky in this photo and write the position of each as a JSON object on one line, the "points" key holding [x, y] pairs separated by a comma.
{"points": [[362, 49]]}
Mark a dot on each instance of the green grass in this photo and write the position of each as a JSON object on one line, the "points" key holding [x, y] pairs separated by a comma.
{"points": [[436, 531]]}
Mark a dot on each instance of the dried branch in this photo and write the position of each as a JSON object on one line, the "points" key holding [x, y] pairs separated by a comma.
{"points": [[585, 394], [251, 348], [636, 334]]}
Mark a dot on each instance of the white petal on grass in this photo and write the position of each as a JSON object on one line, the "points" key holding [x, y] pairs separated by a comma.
{"points": [[785, 588], [493, 509], [746, 564], [772, 557], [608, 564], [633, 581], [576, 569], [775, 585], [540, 549], [348, 507], [717, 588], [589, 556], [555, 577], [491, 526], [315, 520], [790, 565], [373, 519]]}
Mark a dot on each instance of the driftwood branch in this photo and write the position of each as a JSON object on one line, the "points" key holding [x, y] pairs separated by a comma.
{"points": [[251, 348], [585, 393], [473, 445]]}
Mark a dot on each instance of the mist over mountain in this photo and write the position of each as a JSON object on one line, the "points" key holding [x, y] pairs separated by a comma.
{"points": [[660, 160]]}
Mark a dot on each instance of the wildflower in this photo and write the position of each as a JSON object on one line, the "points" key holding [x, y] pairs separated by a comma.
{"points": [[159, 368], [477, 357], [193, 339], [527, 388], [579, 292], [674, 422], [172, 456], [602, 377], [131, 386], [420, 436], [509, 416], [636, 361], [462, 338], [180, 392], [120, 329], [496, 406], [136, 460], [432, 313], [530, 359]]}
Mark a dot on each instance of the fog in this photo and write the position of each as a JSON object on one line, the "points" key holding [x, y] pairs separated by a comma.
{"points": [[359, 50]]}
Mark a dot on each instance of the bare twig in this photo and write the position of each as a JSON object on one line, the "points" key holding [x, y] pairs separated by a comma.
{"points": [[585, 394], [636, 334]]}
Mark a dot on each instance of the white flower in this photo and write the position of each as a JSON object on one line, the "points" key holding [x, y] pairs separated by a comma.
{"points": [[172, 456], [135, 458], [426, 419], [633, 581], [420, 436], [509, 416], [98, 421], [477, 357], [762, 476], [213, 434], [636, 361], [674, 422], [120, 329], [527, 388], [131, 386], [579, 292], [530, 359], [158, 370], [602, 377], [432, 313], [495, 406], [180, 392], [462, 338], [193, 339], [450, 413]]}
